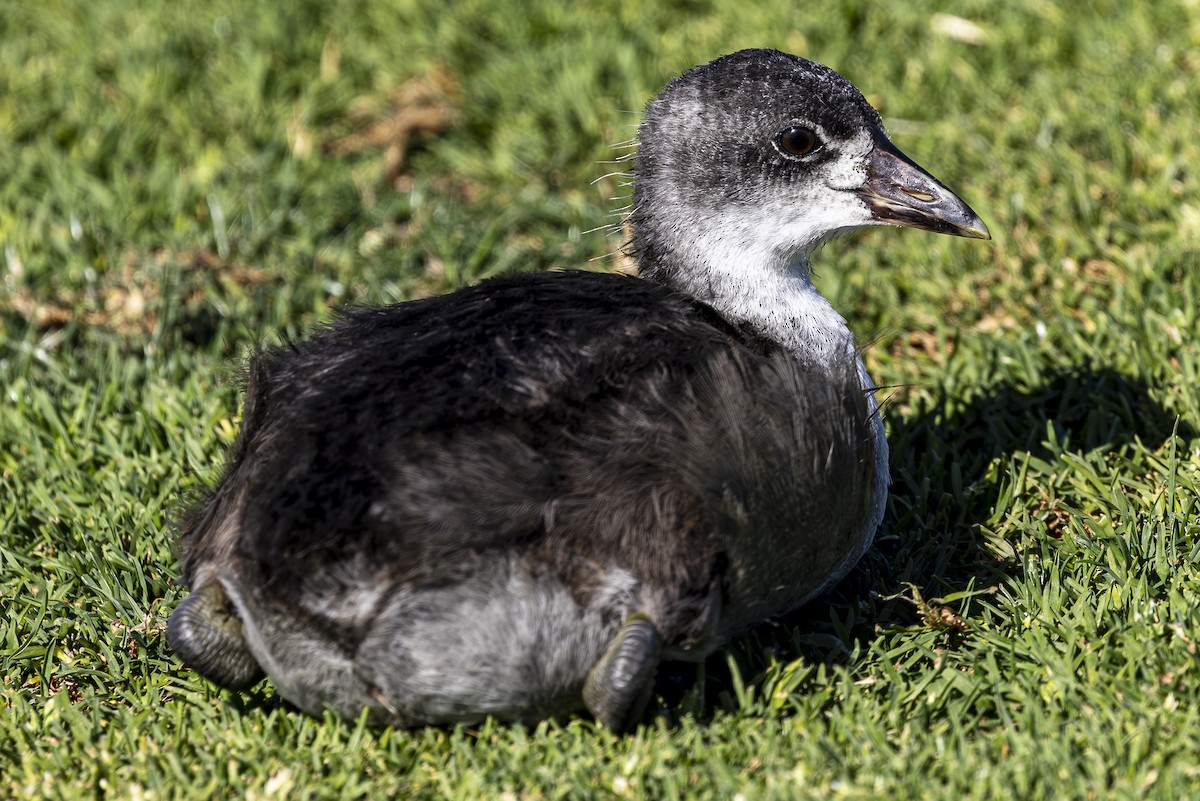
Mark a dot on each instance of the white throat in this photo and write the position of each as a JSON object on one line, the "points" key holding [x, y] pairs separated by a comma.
{"points": [[770, 289]]}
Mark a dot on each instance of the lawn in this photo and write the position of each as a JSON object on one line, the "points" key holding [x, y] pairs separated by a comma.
{"points": [[181, 181]]}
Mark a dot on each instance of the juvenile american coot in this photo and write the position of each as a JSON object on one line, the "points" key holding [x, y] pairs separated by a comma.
{"points": [[515, 499]]}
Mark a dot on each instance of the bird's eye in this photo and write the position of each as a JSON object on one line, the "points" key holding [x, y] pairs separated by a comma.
{"points": [[798, 141]]}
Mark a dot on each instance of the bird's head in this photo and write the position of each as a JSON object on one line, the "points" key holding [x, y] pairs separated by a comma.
{"points": [[761, 155]]}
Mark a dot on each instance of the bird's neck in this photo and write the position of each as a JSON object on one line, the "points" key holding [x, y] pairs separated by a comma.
{"points": [[770, 292], [785, 307]]}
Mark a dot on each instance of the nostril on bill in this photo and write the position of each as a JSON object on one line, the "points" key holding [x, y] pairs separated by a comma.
{"points": [[924, 197]]}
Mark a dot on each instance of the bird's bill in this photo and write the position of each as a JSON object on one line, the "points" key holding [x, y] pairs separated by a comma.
{"points": [[899, 192]]}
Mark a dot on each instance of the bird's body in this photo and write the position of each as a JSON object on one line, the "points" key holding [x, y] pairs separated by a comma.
{"points": [[514, 499]]}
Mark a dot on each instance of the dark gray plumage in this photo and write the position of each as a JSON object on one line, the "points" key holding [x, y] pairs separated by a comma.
{"points": [[515, 499]]}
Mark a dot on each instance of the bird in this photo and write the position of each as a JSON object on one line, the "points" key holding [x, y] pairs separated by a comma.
{"points": [[516, 499]]}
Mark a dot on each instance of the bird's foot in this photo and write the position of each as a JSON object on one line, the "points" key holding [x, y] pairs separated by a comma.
{"points": [[619, 685], [204, 631]]}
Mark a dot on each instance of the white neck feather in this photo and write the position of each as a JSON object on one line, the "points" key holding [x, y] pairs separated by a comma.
{"points": [[770, 289]]}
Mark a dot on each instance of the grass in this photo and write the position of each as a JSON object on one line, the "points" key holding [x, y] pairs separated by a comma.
{"points": [[1025, 627]]}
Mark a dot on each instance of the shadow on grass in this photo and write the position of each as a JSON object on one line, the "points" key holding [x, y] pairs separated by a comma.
{"points": [[942, 492]]}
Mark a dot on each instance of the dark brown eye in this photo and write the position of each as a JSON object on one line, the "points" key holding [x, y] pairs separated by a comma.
{"points": [[798, 141]]}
